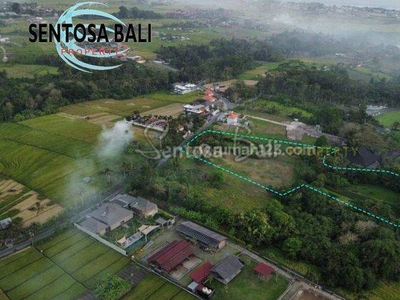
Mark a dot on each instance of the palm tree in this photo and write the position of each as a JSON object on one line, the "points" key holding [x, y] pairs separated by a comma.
{"points": [[38, 207]]}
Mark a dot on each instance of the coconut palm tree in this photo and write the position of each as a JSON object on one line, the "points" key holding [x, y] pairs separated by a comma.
{"points": [[38, 207]]}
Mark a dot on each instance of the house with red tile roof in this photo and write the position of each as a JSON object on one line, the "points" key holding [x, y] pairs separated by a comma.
{"points": [[208, 98], [264, 271], [232, 118], [202, 272], [171, 256]]}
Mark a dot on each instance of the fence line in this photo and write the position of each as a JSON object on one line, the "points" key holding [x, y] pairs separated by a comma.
{"points": [[101, 240]]}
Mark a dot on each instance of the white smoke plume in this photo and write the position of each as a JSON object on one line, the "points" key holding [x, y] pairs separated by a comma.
{"points": [[112, 141]]}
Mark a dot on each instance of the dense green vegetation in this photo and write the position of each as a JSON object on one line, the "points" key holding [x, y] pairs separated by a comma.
{"points": [[354, 255], [44, 94], [111, 287], [222, 59], [136, 13]]}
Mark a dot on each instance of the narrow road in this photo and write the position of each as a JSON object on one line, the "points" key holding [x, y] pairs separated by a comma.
{"points": [[4, 54], [267, 120], [47, 233]]}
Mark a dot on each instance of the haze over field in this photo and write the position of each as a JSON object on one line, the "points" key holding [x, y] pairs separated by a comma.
{"points": [[389, 4]]}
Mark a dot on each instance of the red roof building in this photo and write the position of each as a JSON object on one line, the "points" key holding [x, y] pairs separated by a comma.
{"points": [[209, 92], [202, 272], [263, 271], [171, 256], [208, 98]]}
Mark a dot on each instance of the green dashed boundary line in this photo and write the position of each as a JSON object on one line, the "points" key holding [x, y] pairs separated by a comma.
{"points": [[302, 186]]}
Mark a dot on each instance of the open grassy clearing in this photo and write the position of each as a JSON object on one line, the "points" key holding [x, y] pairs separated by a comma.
{"points": [[264, 128], [274, 172], [235, 194], [22, 71], [365, 74], [154, 287], [56, 274], [387, 119], [377, 193], [280, 109], [385, 290], [259, 71], [264, 115], [168, 110], [247, 285]]}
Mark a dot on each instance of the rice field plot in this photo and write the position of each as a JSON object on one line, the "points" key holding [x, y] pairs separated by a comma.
{"points": [[97, 265], [114, 268], [38, 169], [66, 127], [83, 257], [3, 296], [64, 244], [63, 284], [112, 109], [154, 287], [31, 274], [53, 142], [168, 110]]}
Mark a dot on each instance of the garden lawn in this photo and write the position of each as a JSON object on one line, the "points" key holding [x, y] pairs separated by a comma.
{"points": [[387, 119], [247, 285]]}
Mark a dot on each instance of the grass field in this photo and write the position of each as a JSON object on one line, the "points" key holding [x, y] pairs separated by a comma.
{"points": [[363, 192], [281, 109], [260, 70], [273, 117], [387, 119], [365, 74], [264, 128], [70, 264], [247, 285], [235, 194], [144, 104], [385, 290], [21, 71], [274, 172], [154, 287]]}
